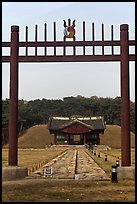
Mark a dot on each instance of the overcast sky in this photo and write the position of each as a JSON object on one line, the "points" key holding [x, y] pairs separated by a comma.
{"points": [[58, 80]]}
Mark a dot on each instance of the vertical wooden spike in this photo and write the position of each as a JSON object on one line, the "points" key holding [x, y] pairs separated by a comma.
{"points": [[112, 47], [74, 47], [45, 36], [36, 33], [102, 39], [93, 38], [64, 48], [54, 37], [83, 37], [26, 40]]}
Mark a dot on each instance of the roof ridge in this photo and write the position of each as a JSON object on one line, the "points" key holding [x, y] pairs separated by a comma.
{"points": [[76, 121]]}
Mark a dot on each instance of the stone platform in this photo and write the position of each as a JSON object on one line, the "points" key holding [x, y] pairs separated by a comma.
{"points": [[127, 172], [10, 173]]}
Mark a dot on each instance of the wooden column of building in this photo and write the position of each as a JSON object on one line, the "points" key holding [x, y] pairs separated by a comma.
{"points": [[85, 139], [55, 140], [125, 101], [98, 139], [13, 103], [68, 139]]}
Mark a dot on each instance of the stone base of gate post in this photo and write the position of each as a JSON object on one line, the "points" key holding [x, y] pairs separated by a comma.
{"points": [[127, 172], [10, 173]]}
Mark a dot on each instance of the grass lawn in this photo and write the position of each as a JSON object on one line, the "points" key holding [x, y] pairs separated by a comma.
{"points": [[43, 190], [32, 157], [50, 190], [112, 156]]}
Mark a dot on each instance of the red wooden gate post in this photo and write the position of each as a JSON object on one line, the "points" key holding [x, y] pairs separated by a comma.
{"points": [[125, 101], [13, 105]]}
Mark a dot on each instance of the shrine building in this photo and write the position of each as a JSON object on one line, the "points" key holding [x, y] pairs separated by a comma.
{"points": [[76, 130]]}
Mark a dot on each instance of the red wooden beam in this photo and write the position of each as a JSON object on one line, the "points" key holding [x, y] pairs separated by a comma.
{"points": [[76, 58], [70, 43]]}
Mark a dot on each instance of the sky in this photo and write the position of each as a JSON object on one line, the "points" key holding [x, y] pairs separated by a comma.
{"points": [[59, 80]]}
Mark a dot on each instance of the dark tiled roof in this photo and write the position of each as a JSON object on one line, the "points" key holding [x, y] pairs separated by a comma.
{"points": [[57, 123]]}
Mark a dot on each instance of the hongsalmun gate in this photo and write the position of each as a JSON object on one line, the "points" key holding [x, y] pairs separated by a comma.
{"points": [[87, 124]]}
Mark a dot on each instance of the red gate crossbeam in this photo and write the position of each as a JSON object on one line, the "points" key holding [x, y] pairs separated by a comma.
{"points": [[70, 43], [68, 58], [77, 58]]}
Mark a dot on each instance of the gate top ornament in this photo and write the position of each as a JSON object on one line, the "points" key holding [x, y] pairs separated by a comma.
{"points": [[69, 31]]}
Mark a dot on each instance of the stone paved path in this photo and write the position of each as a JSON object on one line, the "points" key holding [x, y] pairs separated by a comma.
{"points": [[88, 169], [64, 166]]}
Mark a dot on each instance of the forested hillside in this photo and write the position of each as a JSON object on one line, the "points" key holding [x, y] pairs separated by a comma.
{"points": [[38, 111]]}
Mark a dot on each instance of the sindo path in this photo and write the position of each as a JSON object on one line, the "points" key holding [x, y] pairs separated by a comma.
{"points": [[74, 163]]}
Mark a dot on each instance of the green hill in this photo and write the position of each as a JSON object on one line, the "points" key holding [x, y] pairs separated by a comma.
{"points": [[38, 137], [112, 137]]}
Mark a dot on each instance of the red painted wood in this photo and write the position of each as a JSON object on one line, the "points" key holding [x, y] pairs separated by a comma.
{"points": [[125, 98], [124, 57], [77, 58], [76, 129], [70, 43], [13, 103]]}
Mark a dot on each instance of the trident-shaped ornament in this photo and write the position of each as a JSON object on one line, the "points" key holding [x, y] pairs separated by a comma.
{"points": [[69, 31]]}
